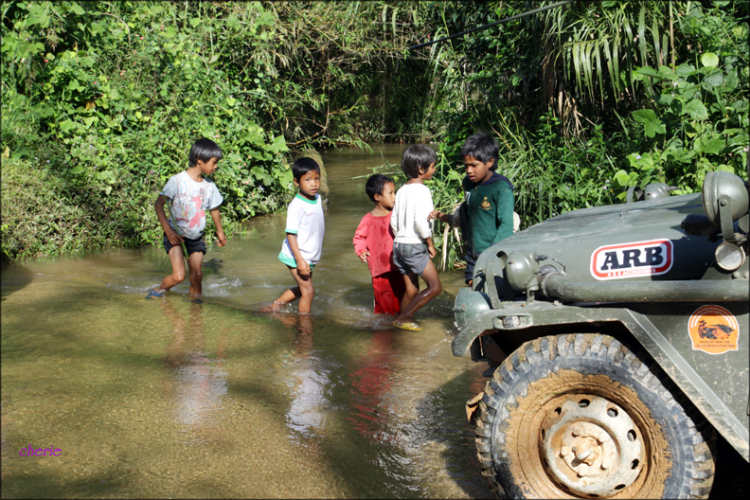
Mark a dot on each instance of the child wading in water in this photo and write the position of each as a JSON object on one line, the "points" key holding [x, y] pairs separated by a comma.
{"points": [[191, 194], [412, 245], [305, 229], [373, 244]]}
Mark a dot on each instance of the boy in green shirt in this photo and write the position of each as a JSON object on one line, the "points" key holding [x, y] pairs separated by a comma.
{"points": [[486, 215]]}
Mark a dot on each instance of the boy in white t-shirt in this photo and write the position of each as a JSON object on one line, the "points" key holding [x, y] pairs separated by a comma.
{"points": [[412, 242], [305, 229]]}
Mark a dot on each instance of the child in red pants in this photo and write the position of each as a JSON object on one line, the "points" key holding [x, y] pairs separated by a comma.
{"points": [[373, 244]]}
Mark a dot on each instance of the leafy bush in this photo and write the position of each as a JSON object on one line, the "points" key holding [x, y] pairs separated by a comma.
{"points": [[610, 97], [700, 119], [108, 97], [39, 219], [112, 114]]}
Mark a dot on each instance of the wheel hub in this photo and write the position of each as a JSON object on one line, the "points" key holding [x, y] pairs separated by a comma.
{"points": [[591, 446]]}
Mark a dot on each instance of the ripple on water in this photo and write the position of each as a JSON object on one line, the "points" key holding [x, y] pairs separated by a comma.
{"points": [[222, 287]]}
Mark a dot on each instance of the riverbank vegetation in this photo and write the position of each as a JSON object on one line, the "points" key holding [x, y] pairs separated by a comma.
{"points": [[589, 99], [101, 101]]}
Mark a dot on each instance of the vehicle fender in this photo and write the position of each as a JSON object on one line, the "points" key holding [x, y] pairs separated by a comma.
{"points": [[652, 340]]}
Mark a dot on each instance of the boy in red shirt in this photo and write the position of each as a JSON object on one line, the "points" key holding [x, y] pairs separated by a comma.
{"points": [[373, 244]]}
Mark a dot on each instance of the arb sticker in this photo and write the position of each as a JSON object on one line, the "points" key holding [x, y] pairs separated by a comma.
{"points": [[628, 260], [714, 329]]}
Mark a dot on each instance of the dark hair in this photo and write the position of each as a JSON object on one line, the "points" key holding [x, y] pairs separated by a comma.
{"points": [[204, 150], [375, 185], [302, 166], [482, 147], [416, 158]]}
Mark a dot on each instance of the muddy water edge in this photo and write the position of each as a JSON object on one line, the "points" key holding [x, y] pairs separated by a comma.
{"points": [[168, 398]]}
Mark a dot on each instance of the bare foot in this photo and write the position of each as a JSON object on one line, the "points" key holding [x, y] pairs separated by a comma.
{"points": [[273, 306]]}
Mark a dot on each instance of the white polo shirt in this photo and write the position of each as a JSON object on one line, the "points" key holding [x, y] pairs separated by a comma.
{"points": [[304, 218]]}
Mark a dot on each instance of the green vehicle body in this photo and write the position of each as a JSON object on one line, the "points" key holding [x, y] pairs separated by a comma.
{"points": [[640, 271]]}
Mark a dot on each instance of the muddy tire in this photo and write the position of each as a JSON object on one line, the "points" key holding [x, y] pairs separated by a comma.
{"points": [[581, 416]]}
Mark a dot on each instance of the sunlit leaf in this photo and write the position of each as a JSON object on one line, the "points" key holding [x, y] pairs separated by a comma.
{"points": [[647, 71], [696, 110], [666, 72], [710, 59], [651, 123], [77, 9], [621, 179], [712, 145]]}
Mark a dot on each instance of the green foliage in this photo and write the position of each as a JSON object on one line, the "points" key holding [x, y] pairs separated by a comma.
{"points": [[346, 78], [40, 219], [699, 120], [609, 95], [103, 100], [108, 97]]}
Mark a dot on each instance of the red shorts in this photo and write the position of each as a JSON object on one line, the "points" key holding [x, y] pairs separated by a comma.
{"points": [[389, 290]]}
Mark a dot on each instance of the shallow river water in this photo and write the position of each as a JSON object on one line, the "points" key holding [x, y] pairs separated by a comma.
{"points": [[168, 398]]}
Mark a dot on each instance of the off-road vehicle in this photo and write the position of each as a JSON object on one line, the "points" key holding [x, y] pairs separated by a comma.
{"points": [[622, 337]]}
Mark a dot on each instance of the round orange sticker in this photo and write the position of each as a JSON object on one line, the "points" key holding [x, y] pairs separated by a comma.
{"points": [[713, 329]]}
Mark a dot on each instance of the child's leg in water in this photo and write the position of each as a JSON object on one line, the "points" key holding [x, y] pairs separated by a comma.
{"points": [[434, 287], [303, 291], [411, 281], [195, 264], [176, 258]]}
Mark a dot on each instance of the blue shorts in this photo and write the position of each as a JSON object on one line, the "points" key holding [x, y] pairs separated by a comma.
{"points": [[196, 245], [410, 258]]}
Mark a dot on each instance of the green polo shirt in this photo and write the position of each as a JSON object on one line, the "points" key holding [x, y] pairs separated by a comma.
{"points": [[487, 216]]}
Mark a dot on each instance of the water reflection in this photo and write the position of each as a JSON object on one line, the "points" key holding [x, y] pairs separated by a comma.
{"points": [[308, 382], [372, 381], [198, 382]]}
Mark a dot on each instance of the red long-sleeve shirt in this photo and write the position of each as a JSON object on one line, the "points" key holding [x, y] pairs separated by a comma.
{"points": [[375, 236]]}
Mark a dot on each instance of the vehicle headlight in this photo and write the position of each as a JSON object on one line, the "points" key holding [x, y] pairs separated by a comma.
{"points": [[725, 200], [521, 270], [724, 192]]}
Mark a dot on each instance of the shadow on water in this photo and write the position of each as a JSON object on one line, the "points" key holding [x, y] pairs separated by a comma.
{"points": [[107, 483], [14, 278], [359, 297]]}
